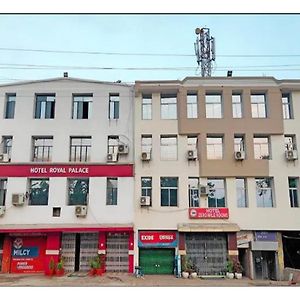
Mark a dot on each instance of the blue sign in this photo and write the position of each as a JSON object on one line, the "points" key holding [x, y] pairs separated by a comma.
{"points": [[265, 236], [27, 252]]}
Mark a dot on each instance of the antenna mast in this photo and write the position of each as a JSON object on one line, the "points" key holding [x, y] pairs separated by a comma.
{"points": [[205, 50]]}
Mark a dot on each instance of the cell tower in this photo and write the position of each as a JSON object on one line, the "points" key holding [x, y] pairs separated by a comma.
{"points": [[205, 50]]}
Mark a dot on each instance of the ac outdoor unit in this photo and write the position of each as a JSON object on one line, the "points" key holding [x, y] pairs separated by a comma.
{"points": [[4, 157], [192, 154], [112, 157], [203, 190], [2, 210], [123, 149], [291, 154], [81, 210], [239, 155], [146, 156], [18, 199], [145, 201]]}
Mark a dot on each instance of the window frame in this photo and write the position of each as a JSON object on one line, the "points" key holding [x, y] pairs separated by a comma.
{"points": [[262, 156], [192, 106], [270, 188], [10, 106], [34, 147], [216, 200], [3, 191], [258, 105], [294, 203], [146, 106], [168, 189], [214, 157], [214, 104], [114, 106], [237, 104], [31, 201], [111, 191], [192, 191], [243, 204], [79, 112], [167, 109], [288, 113], [82, 157], [146, 190], [45, 109], [168, 157], [85, 195]]}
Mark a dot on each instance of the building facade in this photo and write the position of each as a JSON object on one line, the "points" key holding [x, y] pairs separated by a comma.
{"points": [[66, 174], [217, 175]]}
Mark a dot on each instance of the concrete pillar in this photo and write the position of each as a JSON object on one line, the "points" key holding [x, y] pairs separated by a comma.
{"points": [[280, 257]]}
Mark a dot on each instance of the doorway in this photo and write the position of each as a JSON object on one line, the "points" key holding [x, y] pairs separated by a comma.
{"points": [[265, 265]]}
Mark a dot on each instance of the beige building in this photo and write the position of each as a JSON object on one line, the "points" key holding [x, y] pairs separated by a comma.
{"points": [[217, 174]]}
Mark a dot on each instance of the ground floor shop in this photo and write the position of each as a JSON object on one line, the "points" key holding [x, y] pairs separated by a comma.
{"points": [[291, 249], [30, 251]]}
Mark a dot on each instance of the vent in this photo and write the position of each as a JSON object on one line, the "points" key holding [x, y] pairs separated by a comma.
{"points": [[112, 157], [123, 149], [18, 199], [291, 154], [146, 156], [81, 211], [192, 154], [2, 210], [145, 201], [239, 155]]}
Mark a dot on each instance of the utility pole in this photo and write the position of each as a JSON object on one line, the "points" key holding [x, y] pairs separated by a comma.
{"points": [[205, 50]]}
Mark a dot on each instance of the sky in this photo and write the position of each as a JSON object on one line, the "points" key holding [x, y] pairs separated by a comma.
{"points": [[139, 34]]}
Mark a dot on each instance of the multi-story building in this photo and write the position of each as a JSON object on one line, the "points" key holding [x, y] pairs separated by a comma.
{"points": [[217, 174], [66, 174]]}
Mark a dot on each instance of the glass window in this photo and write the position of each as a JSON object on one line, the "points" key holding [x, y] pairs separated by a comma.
{"points": [[237, 106], [258, 106], [192, 142], [78, 191], [264, 194], [42, 148], [168, 106], [80, 148], [287, 106], [113, 144], [241, 192], [112, 191], [114, 106], [239, 143], [261, 148], [3, 188], [38, 191], [168, 191], [216, 193], [10, 106], [45, 106], [192, 106], [146, 143], [82, 106], [290, 142], [168, 147], [193, 192], [214, 147], [7, 145], [293, 191], [147, 107], [146, 183], [213, 106]]}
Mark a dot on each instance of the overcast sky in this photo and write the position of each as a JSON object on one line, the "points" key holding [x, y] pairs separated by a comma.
{"points": [[235, 34]]}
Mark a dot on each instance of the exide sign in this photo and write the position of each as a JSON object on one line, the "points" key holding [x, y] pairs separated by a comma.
{"points": [[208, 213], [157, 238]]}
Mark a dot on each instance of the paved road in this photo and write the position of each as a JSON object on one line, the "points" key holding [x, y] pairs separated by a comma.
{"points": [[125, 280]]}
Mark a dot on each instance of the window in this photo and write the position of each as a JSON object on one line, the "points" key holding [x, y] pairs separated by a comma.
{"points": [[38, 191], [241, 192], [7, 145], [10, 106], [264, 197], [168, 191], [216, 193], [3, 188], [258, 106], [168, 107], [239, 143], [237, 111], [147, 107], [112, 144], [293, 191], [214, 147], [146, 143], [80, 148], [114, 106], [192, 142], [82, 106], [290, 142], [78, 191], [42, 148], [261, 147], [112, 191], [45, 106], [213, 105], [193, 192], [168, 147], [287, 106], [192, 106], [146, 183]]}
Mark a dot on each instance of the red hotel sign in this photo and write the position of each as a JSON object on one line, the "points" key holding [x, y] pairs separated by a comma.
{"points": [[208, 213], [64, 170]]}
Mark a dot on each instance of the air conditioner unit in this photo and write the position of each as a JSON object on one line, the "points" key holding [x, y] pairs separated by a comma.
{"points": [[192, 154], [123, 149], [239, 155], [81, 211], [291, 154], [18, 199], [2, 210], [145, 201], [203, 190], [4, 157], [112, 157], [146, 156]]}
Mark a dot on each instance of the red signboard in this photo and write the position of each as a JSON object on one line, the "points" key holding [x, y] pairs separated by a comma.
{"points": [[64, 170], [208, 213], [157, 237]]}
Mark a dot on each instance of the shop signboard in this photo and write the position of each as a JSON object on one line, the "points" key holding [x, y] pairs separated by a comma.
{"points": [[208, 213], [157, 239], [269, 236]]}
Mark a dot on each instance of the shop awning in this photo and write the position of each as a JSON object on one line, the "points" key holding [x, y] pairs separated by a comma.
{"points": [[208, 227]]}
